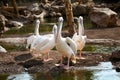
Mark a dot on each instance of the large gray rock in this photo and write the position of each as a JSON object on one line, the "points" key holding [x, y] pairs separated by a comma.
{"points": [[80, 9], [34, 7], [14, 24], [103, 17], [115, 56]]}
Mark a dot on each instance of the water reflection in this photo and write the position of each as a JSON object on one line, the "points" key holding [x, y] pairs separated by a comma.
{"points": [[104, 71], [22, 76], [72, 75], [75, 75], [108, 74]]}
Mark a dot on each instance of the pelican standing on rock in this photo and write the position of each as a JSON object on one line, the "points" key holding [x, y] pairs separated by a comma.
{"points": [[79, 38], [31, 38], [43, 44], [65, 46]]}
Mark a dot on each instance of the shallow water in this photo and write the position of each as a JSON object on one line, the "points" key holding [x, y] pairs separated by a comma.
{"points": [[45, 26], [107, 74], [104, 71]]}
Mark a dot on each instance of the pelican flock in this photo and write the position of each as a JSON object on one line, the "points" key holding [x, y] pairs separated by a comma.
{"points": [[67, 47], [80, 38]]}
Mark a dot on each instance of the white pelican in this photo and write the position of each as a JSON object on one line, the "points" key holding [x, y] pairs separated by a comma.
{"points": [[43, 44], [65, 46], [79, 38], [31, 38]]}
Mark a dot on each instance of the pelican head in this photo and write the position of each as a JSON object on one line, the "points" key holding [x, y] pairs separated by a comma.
{"points": [[80, 18], [37, 21], [73, 59], [60, 19]]}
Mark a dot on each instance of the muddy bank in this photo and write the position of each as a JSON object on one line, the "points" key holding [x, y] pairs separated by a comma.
{"points": [[17, 62]]}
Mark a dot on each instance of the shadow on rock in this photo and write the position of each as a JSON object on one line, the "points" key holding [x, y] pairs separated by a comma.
{"points": [[23, 57], [57, 70], [31, 63]]}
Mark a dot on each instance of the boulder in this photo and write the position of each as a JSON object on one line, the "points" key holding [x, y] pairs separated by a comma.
{"points": [[14, 24], [34, 7], [103, 17], [115, 57], [80, 9]]}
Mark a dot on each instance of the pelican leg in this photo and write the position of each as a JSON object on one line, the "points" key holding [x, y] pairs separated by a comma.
{"points": [[39, 55], [68, 64], [47, 57], [80, 55], [36, 54], [61, 62]]}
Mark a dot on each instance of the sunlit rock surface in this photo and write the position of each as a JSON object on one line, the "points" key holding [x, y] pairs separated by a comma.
{"points": [[103, 17]]}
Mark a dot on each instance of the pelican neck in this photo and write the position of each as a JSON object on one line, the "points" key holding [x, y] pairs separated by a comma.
{"points": [[36, 29], [80, 29], [60, 29]]}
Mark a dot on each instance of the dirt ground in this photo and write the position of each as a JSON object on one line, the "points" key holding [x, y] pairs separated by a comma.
{"points": [[106, 33], [17, 62]]}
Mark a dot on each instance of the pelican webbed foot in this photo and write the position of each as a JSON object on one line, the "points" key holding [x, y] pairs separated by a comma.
{"points": [[46, 60], [66, 67], [78, 57], [59, 64]]}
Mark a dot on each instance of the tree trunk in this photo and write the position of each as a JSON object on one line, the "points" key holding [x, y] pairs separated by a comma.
{"points": [[15, 8], [2, 24], [69, 16]]}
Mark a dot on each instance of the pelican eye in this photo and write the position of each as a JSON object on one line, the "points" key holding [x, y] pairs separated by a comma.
{"points": [[68, 44]]}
